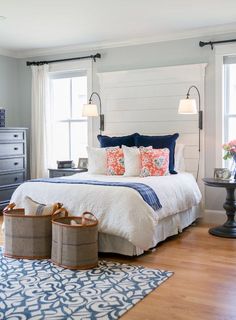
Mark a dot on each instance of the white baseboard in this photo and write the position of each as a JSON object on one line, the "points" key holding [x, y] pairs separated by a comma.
{"points": [[214, 216]]}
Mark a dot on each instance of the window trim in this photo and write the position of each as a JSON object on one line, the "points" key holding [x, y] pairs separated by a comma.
{"points": [[220, 52], [226, 99]]}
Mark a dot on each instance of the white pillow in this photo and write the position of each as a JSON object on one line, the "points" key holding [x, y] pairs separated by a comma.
{"points": [[132, 161], [179, 157], [33, 208], [97, 160]]}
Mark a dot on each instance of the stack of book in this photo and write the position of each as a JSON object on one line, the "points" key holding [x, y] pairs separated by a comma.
{"points": [[2, 118]]}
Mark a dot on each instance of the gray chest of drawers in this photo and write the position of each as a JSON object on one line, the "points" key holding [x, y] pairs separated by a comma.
{"points": [[12, 162]]}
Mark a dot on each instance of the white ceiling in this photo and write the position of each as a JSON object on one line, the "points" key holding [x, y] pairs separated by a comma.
{"points": [[34, 25]]}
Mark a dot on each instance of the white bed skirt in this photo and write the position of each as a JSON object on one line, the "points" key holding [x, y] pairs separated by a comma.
{"points": [[165, 228]]}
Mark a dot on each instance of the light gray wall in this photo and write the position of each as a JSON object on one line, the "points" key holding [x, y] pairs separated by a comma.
{"points": [[169, 53], [9, 90]]}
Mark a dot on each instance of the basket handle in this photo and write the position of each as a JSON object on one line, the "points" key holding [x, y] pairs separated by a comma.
{"points": [[59, 211], [56, 206], [84, 219], [9, 207]]}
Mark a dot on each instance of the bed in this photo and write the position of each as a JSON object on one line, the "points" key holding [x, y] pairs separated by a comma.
{"points": [[127, 224]]}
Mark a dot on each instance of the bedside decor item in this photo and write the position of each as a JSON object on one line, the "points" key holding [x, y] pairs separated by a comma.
{"points": [[75, 241], [2, 117], [83, 163], [64, 164], [222, 173], [101, 293], [189, 106], [91, 110], [230, 153]]}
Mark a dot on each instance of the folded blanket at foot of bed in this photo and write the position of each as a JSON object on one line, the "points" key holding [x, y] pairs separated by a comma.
{"points": [[146, 192]]}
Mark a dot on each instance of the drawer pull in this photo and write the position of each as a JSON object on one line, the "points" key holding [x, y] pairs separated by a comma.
{"points": [[16, 163], [15, 135], [16, 148], [15, 179]]}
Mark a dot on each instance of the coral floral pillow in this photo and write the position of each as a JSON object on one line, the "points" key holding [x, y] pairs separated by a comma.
{"points": [[154, 162], [115, 161]]}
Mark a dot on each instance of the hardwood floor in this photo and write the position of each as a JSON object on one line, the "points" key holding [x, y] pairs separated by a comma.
{"points": [[203, 286]]}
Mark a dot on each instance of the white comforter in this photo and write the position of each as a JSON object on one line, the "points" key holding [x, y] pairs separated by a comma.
{"points": [[121, 211]]}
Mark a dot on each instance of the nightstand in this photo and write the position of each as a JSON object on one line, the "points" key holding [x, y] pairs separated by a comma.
{"points": [[228, 229], [53, 173]]}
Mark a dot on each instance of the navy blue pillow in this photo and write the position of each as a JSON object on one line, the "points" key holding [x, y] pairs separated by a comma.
{"points": [[106, 141], [159, 142]]}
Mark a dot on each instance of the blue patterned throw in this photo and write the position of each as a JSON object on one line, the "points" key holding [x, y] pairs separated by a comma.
{"points": [[31, 289], [146, 192]]}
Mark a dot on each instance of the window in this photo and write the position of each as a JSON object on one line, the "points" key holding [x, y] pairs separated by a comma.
{"points": [[225, 99], [69, 129], [229, 100]]}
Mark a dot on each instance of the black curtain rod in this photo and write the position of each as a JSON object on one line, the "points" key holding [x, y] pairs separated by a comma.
{"points": [[39, 63], [211, 43]]}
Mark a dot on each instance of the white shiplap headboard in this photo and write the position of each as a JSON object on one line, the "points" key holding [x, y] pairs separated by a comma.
{"points": [[146, 101]]}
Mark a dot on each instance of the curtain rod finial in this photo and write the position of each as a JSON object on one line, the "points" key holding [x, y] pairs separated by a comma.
{"points": [[96, 56]]}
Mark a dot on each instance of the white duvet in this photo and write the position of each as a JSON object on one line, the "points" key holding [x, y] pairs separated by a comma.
{"points": [[121, 211]]}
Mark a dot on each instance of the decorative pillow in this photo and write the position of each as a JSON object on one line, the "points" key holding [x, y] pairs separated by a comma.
{"points": [[132, 160], [106, 141], [115, 161], [159, 142], [33, 208], [154, 162], [97, 160], [179, 157]]}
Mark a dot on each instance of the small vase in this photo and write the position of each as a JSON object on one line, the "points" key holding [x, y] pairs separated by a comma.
{"points": [[233, 167]]}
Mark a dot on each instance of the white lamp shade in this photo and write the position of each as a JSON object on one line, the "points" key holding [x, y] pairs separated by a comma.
{"points": [[90, 110], [187, 106]]}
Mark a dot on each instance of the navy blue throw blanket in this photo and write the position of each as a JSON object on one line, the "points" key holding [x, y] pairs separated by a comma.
{"points": [[146, 192]]}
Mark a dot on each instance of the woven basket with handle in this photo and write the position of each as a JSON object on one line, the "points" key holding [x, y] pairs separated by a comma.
{"points": [[27, 236], [75, 246]]}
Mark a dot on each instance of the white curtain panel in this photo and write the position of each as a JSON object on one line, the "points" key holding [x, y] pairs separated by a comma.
{"points": [[40, 122]]}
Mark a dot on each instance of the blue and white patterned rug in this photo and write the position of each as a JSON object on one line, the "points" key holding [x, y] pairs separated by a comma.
{"points": [[31, 289]]}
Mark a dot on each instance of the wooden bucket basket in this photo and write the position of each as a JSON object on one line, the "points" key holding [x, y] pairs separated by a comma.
{"points": [[75, 246], [27, 236]]}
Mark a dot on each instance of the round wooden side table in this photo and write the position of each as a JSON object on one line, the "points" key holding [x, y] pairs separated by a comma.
{"points": [[228, 229]]}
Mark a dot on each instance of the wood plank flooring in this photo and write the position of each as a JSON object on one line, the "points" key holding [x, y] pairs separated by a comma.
{"points": [[203, 286]]}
